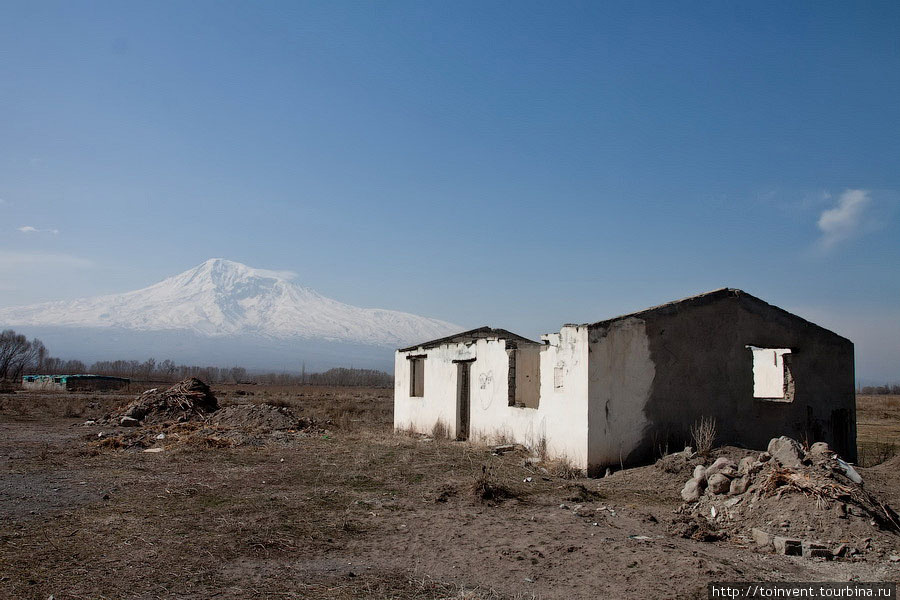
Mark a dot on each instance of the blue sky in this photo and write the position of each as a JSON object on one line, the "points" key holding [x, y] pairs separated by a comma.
{"points": [[515, 164]]}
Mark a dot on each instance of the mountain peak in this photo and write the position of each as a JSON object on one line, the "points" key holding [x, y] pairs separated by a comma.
{"points": [[220, 297]]}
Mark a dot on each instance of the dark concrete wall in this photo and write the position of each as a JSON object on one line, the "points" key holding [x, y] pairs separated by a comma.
{"points": [[703, 368]]}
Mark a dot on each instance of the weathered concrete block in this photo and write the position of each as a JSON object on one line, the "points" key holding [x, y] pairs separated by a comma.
{"points": [[815, 550], [786, 451], [762, 538], [787, 546]]}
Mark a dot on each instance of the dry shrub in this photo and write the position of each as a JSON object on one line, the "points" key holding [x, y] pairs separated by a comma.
{"points": [[703, 433], [440, 431], [563, 468], [487, 489], [541, 449]]}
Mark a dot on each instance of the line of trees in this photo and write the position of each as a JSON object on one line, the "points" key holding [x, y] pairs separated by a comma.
{"points": [[20, 356], [880, 390]]}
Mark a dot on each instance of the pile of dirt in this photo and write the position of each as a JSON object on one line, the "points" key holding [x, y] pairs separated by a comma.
{"points": [[792, 501], [188, 414], [257, 417], [187, 400]]}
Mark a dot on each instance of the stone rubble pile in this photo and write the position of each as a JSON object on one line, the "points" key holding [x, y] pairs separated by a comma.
{"points": [[786, 500]]}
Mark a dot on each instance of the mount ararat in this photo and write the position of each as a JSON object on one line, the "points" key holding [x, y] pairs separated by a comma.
{"points": [[223, 312]]}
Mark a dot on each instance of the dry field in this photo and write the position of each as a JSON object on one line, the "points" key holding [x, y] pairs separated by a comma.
{"points": [[351, 511], [878, 428]]}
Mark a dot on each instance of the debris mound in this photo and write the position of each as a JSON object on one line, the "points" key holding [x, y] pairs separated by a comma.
{"points": [[188, 415], [258, 417], [187, 400], [790, 500]]}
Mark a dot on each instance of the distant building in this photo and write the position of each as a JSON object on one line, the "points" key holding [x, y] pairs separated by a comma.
{"points": [[73, 383], [627, 389]]}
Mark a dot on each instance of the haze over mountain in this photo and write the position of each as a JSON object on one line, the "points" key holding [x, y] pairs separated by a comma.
{"points": [[224, 312]]}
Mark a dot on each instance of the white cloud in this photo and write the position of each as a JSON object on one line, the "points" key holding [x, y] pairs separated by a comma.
{"points": [[30, 229], [844, 220], [17, 260]]}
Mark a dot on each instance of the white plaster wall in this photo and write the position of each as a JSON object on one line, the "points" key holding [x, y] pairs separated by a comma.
{"points": [[560, 420], [621, 379]]}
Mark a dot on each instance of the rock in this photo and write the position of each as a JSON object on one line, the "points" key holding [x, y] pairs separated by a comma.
{"points": [[503, 449], [894, 558], [764, 457], [787, 546], [720, 464], [840, 551], [688, 451], [762, 538], [749, 466], [162, 436], [129, 422], [718, 483], [814, 550], [90, 422], [700, 472], [136, 411], [820, 449], [739, 486], [786, 451], [691, 490], [728, 471]]}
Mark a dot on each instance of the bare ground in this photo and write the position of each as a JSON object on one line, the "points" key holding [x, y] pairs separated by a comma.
{"points": [[354, 511]]}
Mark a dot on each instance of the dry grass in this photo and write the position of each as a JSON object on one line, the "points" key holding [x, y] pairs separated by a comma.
{"points": [[486, 487], [878, 428], [703, 434], [563, 468], [440, 431]]}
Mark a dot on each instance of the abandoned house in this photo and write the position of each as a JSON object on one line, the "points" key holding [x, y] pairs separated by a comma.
{"points": [[74, 383], [625, 390]]}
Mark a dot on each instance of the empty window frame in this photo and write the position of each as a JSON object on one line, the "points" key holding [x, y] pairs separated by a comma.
{"points": [[772, 377], [417, 376], [559, 376]]}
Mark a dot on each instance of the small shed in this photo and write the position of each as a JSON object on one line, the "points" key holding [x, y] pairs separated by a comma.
{"points": [[74, 383]]}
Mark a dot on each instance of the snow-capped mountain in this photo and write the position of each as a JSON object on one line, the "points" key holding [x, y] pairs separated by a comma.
{"points": [[221, 298]]}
